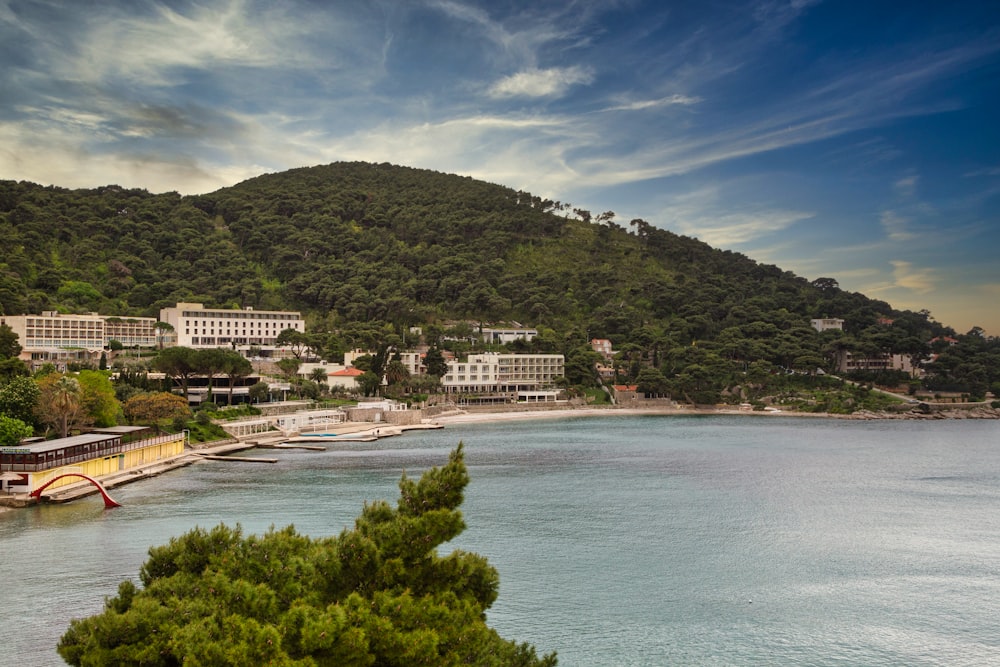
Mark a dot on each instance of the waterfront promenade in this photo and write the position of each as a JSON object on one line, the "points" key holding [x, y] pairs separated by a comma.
{"points": [[205, 452]]}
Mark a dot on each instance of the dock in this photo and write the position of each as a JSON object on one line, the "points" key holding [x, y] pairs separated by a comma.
{"points": [[244, 459]]}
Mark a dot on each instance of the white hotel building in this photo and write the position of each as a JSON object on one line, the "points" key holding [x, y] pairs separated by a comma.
{"points": [[61, 339], [199, 327], [498, 373]]}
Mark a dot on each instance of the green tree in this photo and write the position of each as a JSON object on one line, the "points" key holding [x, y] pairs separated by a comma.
{"points": [[651, 382], [369, 383], [296, 340], [259, 392], [59, 403], [396, 372], [435, 362], [18, 398], [236, 367], [319, 376], [289, 366], [13, 431], [155, 407], [376, 595], [211, 362], [179, 363], [97, 398], [9, 347], [10, 365]]}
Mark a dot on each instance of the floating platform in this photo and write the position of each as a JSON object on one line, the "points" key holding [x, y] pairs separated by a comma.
{"points": [[244, 459]]}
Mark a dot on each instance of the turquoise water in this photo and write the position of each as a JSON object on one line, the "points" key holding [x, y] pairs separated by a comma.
{"points": [[619, 541]]}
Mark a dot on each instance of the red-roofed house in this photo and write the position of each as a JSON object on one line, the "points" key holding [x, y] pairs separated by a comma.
{"points": [[346, 378]]}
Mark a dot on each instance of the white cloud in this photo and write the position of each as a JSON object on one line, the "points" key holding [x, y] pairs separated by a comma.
{"points": [[639, 105], [553, 82], [699, 213], [906, 186], [895, 226], [907, 276]]}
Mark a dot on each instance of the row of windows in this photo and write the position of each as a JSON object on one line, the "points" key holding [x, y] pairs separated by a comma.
{"points": [[242, 315], [207, 340], [64, 342]]}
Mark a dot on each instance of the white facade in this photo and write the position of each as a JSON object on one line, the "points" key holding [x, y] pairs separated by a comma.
{"points": [[199, 327], [57, 338], [827, 323], [848, 361], [130, 331], [501, 336], [492, 372], [414, 361], [602, 346]]}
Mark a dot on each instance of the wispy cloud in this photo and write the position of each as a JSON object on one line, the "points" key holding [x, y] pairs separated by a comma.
{"points": [[702, 214], [895, 226], [639, 105], [906, 186], [553, 82], [909, 277]]}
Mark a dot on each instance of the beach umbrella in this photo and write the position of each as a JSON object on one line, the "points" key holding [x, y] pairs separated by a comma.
{"points": [[8, 476]]}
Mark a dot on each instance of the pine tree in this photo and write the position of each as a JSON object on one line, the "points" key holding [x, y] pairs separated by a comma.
{"points": [[375, 595]]}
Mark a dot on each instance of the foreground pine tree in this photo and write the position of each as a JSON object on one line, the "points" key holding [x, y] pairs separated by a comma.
{"points": [[376, 595]]}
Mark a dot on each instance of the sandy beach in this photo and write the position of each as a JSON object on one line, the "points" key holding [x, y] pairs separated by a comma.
{"points": [[463, 416]]}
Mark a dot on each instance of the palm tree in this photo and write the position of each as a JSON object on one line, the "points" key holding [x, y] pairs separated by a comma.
{"points": [[396, 372], [319, 376], [65, 401]]}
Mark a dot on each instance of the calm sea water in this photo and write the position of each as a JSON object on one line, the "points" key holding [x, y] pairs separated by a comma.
{"points": [[619, 541]]}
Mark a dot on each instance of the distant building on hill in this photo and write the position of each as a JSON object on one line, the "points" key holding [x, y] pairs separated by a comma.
{"points": [[827, 323], [602, 346], [499, 336], [199, 327]]}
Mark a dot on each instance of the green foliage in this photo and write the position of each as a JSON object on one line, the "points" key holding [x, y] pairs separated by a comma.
{"points": [[9, 347], [154, 408], [435, 362], [98, 399], [375, 595], [205, 432], [12, 431], [60, 403], [367, 250], [18, 398]]}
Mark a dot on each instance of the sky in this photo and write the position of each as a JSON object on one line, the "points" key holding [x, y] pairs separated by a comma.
{"points": [[853, 140]]}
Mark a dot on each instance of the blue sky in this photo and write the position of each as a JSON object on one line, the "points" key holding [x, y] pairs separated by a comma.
{"points": [[853, 140]]}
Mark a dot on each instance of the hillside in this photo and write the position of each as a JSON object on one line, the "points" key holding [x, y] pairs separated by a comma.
{"points": [[354, 243], [384, 242]]}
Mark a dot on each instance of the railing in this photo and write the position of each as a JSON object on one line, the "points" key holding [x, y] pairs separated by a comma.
{"points": [[95, 454]]}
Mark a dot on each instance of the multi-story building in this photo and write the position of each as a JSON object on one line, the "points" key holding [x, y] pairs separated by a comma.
{"points": [[58, 339], [848, 361], [602, 346], [502, 373], [827, 323], [199, 327], [497, 336], [130, 331]]}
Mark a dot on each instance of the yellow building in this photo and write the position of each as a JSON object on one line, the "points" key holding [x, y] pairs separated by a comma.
{"points": [[94, 454]]}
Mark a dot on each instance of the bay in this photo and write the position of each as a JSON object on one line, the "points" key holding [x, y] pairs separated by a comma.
{"points": [[619, 540]]}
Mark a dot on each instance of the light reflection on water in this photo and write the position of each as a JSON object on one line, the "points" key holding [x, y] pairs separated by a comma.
{"points": [[619, 541]]}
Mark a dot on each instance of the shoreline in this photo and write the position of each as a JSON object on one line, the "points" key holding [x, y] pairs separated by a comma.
{"points": [[370, 432], [472, 416]]}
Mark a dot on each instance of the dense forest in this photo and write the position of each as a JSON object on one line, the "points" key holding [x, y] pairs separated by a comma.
{"points": [[359, 246]]}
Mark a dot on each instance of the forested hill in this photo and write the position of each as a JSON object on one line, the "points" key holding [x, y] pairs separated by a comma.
{"points": [[351, 242]]}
